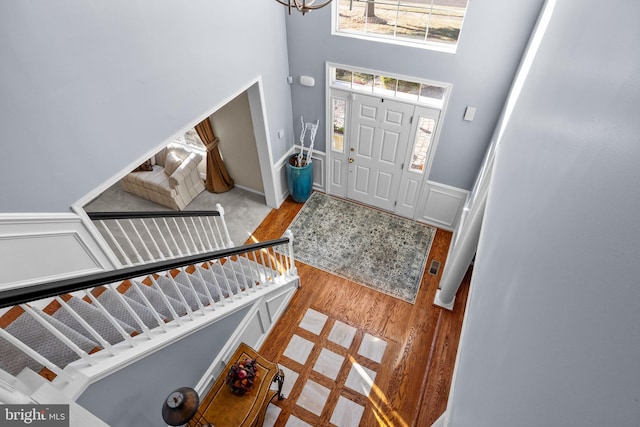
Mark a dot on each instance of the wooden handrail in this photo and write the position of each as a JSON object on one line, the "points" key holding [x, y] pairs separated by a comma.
{"points": [[148, 214]]}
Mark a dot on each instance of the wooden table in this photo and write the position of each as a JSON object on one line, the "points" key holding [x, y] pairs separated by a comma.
{"points": [[222, 408]]}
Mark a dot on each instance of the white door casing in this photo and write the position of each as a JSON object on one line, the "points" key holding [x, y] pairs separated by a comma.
{"points": [[378, 139]]}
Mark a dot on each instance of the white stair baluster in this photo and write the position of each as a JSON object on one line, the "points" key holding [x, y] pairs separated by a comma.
{"points": [[193, 289], [62, 337], [212, 302], [156, 286], [153, 240], [109, 317], [182, 298], [104, 343], [213, 233], [216, 283], [268, 274], [244, 276], [164, 241], [254, 267], [142, 241], [184, 242], [136, 287], [173, 238], [209, 247], [194, 247], [226, 278], [131, 245], [34, 355], [196, 230], [127, 261], [132, 312]]}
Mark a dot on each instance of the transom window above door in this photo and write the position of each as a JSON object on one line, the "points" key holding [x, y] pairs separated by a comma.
{"points": [[430, 24], [424, 92]]}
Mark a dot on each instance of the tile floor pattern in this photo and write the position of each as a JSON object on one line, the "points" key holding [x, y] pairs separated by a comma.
{"points": [[326, 356]]}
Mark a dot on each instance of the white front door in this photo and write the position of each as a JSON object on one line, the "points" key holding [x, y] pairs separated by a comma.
{"points": [[379, 137]]}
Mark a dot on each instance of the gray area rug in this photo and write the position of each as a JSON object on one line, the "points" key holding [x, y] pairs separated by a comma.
{"points": [[244, 210], [367, 246]]}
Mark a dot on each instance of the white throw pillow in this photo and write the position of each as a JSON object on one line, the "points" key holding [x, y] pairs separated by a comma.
{"points": [[171, 163]]}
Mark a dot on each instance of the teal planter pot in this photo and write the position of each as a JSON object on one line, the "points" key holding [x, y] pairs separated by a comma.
{"points": [[299, 180]]}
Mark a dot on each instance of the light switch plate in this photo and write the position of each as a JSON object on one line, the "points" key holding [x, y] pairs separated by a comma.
{"points": [[469, 113]]}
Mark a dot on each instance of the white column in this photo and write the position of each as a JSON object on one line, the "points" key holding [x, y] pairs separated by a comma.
{"points": [[461, 256]]}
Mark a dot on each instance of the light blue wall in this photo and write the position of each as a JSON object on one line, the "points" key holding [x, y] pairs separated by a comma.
{"points": [[134, 395], [494, 36], [87, 86], [551, 334]]}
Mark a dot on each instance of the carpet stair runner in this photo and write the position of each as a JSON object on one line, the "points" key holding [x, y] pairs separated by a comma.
{"points": [[172, 295]]}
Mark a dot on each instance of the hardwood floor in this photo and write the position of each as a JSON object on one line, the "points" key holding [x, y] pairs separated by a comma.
{"points": [[413, 381]]}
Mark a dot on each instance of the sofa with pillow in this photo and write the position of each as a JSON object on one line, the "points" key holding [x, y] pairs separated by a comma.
{"points": [[170, 178]]}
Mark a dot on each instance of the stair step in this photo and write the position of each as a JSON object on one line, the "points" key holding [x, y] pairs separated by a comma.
{"points": [[233, 274], [252, 269], [198, 284], [155, 298], [212, 278], [168, 287], [116, 308], [44, 342], [94, 317]]}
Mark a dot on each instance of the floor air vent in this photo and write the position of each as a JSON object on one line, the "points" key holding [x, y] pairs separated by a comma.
{"points": [[434, 267]]}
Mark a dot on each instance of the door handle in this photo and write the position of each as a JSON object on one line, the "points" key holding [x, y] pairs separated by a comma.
{"points": [[350, 159]]}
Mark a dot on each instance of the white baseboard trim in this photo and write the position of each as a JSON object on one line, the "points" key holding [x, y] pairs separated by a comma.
{"points": [[250, 190]]}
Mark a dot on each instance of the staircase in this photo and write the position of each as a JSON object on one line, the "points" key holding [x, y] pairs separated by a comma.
{"points": [[74, 331]]}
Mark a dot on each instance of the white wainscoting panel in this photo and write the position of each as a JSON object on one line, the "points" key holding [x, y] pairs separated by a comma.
{"points": [[318, 158], [442, 205], [36, 248], [280, 176], [252, 331]]}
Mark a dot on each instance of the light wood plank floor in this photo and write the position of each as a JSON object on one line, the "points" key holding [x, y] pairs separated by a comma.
{"points": [[413, 381]]}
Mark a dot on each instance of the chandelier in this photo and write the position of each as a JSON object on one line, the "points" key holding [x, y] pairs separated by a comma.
{"points": [[303, 6]]}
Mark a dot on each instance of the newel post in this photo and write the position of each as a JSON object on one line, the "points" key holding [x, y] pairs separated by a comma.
{"points": [[227, 237], [292, 269]]}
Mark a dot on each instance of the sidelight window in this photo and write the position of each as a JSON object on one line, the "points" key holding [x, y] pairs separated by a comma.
{"points": [[338, 119]]}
